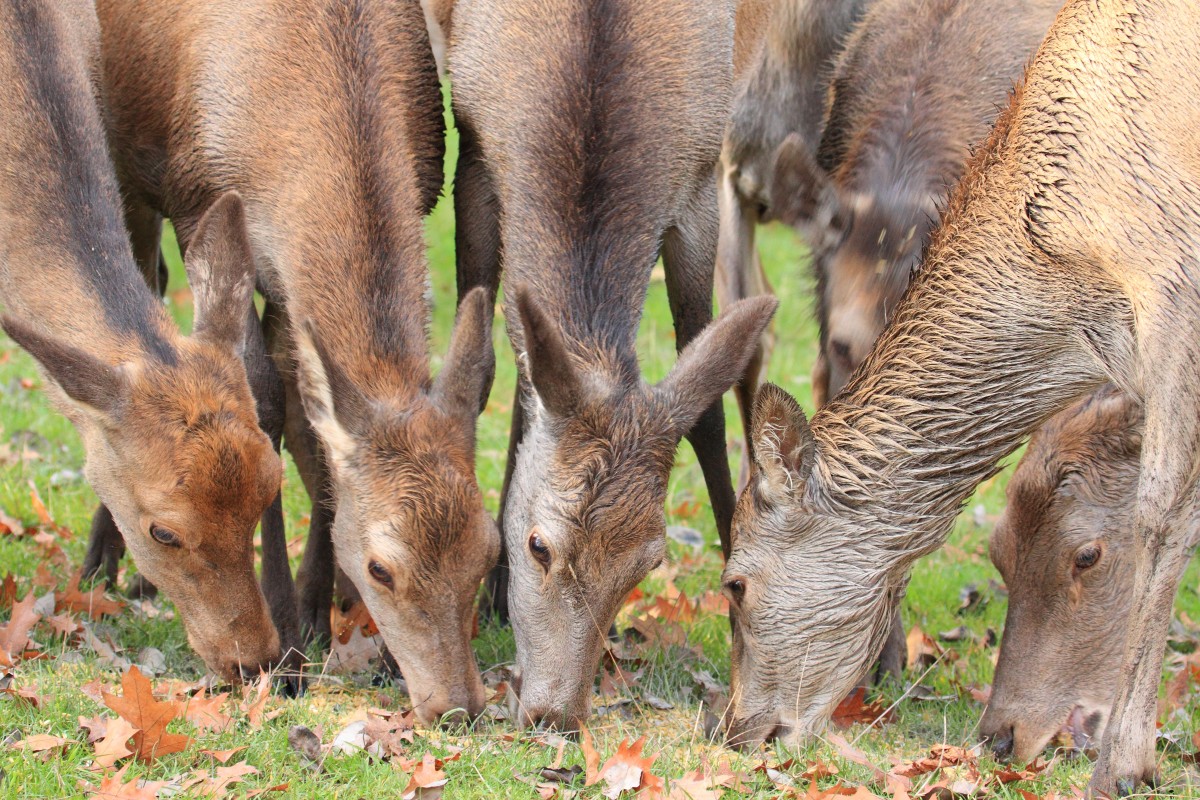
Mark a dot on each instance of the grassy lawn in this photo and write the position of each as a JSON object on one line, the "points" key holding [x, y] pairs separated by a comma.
{"points": [[39, 449]]}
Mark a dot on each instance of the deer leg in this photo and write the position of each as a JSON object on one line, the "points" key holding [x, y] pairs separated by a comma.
{"points": [[314, 579], [106, 546], [276, 580], [1167, 493], [477, 244], [739, 274], [689, 252]]}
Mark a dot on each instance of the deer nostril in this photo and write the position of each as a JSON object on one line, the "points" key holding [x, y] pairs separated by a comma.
{"points": [[249, 673], [1002, 744]]}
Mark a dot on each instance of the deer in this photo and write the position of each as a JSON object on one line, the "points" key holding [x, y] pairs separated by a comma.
{"points": [[1066, 550], [790, 52], [168, 423], [326, 116], [1065, 259], [588, 145]]}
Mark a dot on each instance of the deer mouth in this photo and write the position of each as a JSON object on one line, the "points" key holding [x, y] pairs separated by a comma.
{"points": [[747, 733]]}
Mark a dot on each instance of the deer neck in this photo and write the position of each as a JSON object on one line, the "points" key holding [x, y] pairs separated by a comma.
{"points": [[984, 348]]}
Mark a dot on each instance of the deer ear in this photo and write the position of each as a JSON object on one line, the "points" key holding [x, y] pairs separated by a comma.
{"points": [[84, 378], [784, 448], [715, 360], [336, 408], [466, 378], [551, 371], [800, 190], [220, 270]]}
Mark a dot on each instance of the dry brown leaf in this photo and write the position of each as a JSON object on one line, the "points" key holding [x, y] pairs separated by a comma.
{"points": [[427, 775], [223, 756], [64, 624], [923, 651], [854, 708], [853, 754], [205, 712], [27, 694], [695, 785], [138, 705], [591, 758], [280, 787], [627, 769], [96, 688], [254, 708], [114, 746], [41, 743], [113, 787], [14, 636], [8, 589], [96, 727], [92, 602], [838, 791]]}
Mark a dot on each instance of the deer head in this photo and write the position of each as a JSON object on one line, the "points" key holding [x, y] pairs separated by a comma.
{"points": [[1066, 549], [811, 595], [411, 530], [175, 452], [584, 520]]}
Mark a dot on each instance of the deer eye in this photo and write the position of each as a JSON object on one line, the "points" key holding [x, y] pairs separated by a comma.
{"points": [[380, 573], [1087, 557], [164, 536], [736, 589], [539, 549]]}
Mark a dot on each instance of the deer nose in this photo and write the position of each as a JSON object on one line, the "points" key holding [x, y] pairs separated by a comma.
{"points": [[1002, 744], [248, 672]]}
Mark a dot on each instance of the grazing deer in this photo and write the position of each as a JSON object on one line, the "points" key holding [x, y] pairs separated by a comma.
{"points": [[782, 91], [589, 145], [1067, 257], [1066, 549], [326, 115], [168, 422], [918, 83]]}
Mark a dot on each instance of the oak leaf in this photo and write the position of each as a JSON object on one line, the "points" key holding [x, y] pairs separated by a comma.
{"points": [[14, 636], [254, 699], [855, 708], [138, 705], [205, 712], [41, 743], [427, 775], [115, 744], [92, 602], [113, 787]]}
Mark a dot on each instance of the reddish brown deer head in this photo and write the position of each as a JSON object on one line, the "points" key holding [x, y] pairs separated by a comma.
{"points": [[175, 451], [410, 527], [1065, 548]]}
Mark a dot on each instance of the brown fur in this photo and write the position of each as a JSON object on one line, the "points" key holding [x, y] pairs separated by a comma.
{"points": [[326, 115], [1066, 258], [595, 127], [168, 422], [919, 83], [1074, 493], [782, 92]]}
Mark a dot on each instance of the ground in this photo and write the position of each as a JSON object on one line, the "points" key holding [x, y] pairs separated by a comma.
{"points": [[40, 456]]}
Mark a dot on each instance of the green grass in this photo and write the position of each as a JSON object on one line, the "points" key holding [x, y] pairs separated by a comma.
{"points": [[493, 752]]}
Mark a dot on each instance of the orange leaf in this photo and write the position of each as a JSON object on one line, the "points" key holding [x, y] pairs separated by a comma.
{"points": [[93, 602], [96, 727], [591, 759], [426, 776], [855, 708], [113, 787], [39, 508], [627, 769], [114, 745], [205, 712], [254, 708], [138, 705], [14, 636], [40, 743], [224, 755]]}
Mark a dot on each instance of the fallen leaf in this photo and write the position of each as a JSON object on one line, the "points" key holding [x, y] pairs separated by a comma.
{"points": [[254, 708], [923, 651], [138, 705], [205, 712], [64, 624], [114, 746], [41, 743], [855, 708], [92, 602], [113, 787], [217, 785], [591, 758], [428, 775], [14, 636], [853, 754], [96, 726], [627, 769], [223, 756]]}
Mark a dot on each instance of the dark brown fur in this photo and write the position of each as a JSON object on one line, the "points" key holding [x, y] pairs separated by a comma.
{"points": [[168, 422], [327, 116], [595, 127], [919, 83]]}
